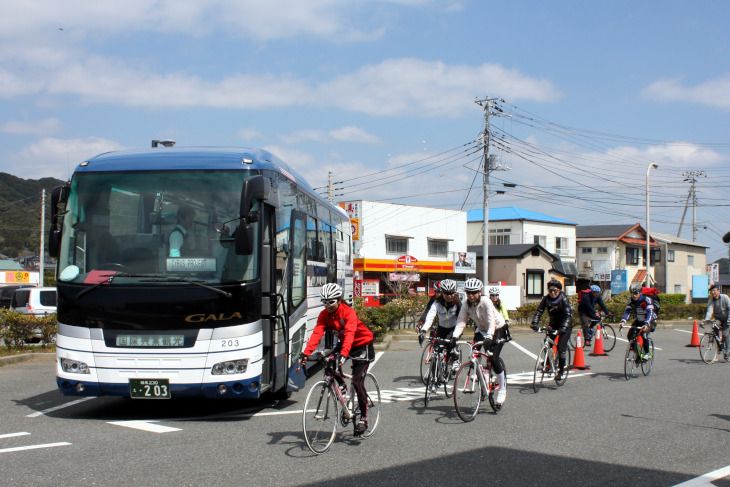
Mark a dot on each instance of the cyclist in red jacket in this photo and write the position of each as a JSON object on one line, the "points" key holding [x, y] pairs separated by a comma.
{"points": [[355, 342]]}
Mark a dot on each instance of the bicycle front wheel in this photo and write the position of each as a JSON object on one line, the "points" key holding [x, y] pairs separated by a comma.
{"points": [[319, 418], [373, 390], [432, 380], [425, 363], [630, 361], [609, 337], [708, 348], [648, 363], [492, 385], [467, 391], [540, 369]]}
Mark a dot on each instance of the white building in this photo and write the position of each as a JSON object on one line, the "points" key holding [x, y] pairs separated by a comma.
{"points": [[399, 242]]}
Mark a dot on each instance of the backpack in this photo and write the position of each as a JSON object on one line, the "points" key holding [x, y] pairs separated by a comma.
{"points": [[653, 293], [582, 294]]}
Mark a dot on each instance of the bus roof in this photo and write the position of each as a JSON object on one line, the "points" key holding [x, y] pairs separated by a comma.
{"points": [[191, 158]]}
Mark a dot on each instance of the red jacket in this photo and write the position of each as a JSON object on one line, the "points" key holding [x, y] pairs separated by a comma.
{"points": [[350, 330]]}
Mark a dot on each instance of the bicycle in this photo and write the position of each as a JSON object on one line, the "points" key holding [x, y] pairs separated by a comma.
{"points": [[439, 371], [547, 361], [711, 342], [425, 364], [608, 334], [329, 403], [635, 356], [476, 380]]}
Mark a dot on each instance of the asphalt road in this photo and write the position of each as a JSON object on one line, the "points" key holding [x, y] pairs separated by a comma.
{"points": [[598, 429]]}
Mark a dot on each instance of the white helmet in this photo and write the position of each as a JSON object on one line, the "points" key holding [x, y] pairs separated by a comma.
{"points": [[448, 286], [494, 291], [331, 291], [473, 284]]}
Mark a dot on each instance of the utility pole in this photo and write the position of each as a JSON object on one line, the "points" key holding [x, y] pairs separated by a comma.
{"points": [[487, 105], [43, 240], [691, 177]]}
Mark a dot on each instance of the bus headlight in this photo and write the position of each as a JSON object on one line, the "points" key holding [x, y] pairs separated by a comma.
{"points": [[74, 366], [230, 367]]}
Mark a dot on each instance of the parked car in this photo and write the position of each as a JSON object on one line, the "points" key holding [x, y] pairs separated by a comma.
{"points": [[36, 301], [6, 294]]}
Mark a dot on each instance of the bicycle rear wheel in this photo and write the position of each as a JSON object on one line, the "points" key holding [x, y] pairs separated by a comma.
{"points": [[425, 362], [492, 384], [373, 390], [319, 418], [467, 391], [648, 363], [708, 348], [609, 337], [540, 366], [630, 361]]}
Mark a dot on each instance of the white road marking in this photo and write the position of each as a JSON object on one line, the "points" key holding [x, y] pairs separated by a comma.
{"points": [[145, 425], [33, 447], [377, 357], [11, 435], [683, 331], [706, 479], [56, 408], [523, 349], [626, 341]]}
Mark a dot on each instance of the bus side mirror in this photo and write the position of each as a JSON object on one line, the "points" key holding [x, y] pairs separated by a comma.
{"points": [[59, 198], [256, 188]]}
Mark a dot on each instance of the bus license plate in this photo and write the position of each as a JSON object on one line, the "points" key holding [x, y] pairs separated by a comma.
{"points": [[149, 388]]}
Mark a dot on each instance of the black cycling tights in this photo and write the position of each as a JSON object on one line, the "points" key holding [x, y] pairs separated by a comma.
{"points": [[359, 370], [496, 350], [635, 327], [562, 344]]}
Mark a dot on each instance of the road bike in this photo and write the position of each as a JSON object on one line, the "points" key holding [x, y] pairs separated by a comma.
{"points": [[635, 356], [439, 370], [330, 403], [711, 342], [608, 334], [547, 363], [476, 380], [425, 364]]}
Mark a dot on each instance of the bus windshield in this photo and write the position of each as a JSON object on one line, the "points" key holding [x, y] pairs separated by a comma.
{"points": [[163, 227]]}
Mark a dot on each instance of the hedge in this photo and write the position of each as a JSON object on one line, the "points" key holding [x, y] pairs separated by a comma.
{"points": [[18, 330]]}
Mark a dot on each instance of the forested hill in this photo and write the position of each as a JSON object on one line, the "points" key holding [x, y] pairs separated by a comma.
{"points": [[20, 218]]}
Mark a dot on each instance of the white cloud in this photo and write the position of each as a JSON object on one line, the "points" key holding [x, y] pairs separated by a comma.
{"points": [[431, 88], [53, 157], [713, 93], [342, 134], [249, 134], [39, 127]]}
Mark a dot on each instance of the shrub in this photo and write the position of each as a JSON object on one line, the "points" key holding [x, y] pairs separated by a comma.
{"points": [[17, 330]]}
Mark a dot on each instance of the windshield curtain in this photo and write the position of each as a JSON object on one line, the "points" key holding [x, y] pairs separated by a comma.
{"points": [[164, 225]]}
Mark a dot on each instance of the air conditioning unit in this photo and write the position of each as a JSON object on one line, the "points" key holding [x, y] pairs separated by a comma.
{"points": [[587, 264]]}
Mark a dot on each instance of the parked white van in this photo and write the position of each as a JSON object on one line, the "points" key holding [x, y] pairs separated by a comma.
{"points": [[36, 301]]}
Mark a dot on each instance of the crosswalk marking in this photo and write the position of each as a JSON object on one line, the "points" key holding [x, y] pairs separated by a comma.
{"points": [[145, 425]]}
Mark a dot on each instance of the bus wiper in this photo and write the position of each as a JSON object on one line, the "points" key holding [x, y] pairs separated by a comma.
{"points": [[152, 278], [105, 282]]}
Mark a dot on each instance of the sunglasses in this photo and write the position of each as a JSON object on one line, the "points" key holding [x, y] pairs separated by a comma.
{"points": [[448, 294], [553, 289], [473, 292], [329, 302]]}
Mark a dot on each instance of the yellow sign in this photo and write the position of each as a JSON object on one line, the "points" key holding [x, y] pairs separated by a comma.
{"points": [[355, 224], [17, 276]]}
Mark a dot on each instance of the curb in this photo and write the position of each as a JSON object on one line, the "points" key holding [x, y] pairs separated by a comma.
{"points": [[23, 357]]}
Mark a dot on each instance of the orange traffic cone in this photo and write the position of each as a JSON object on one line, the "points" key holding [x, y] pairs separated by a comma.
{"points": [[579, 360], [598, 343], [695, 341]]}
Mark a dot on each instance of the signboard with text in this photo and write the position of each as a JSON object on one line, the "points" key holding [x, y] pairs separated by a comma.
{"points": [[619, 281]]}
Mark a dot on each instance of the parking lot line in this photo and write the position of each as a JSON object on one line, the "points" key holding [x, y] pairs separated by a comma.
{"points": [[706, 479], [33, 447], [61, 406], [11, 435]]}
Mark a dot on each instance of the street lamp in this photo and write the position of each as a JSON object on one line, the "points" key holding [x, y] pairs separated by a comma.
{"points": [[648, 226]]}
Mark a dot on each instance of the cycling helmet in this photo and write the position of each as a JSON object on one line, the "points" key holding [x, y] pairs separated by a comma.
{"points": [[595, 288], [437, 286], [635, 288], [555, 283], [473, 284], [448, 286], [331, 291], [494, 291]]}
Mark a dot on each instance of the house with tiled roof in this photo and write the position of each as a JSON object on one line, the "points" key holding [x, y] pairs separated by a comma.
{"points": [[603, 248]]}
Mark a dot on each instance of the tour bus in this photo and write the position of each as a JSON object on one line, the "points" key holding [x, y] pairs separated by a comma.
{"points": [[224, 316]]}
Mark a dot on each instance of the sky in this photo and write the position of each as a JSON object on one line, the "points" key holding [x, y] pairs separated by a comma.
{"points": [[382, 94]]}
